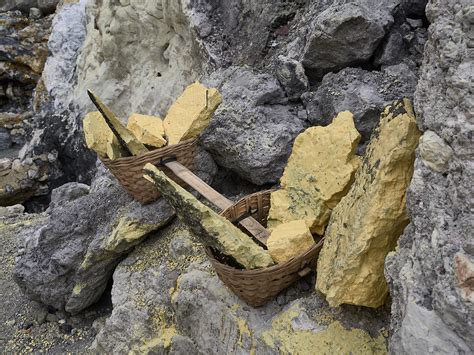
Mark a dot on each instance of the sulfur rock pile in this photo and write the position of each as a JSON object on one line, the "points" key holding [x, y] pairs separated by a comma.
{"points": [[358, 205], [187, 117]]}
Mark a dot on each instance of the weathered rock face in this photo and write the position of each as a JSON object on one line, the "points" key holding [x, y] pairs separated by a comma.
{"points": [[147, 129], [288, 240], [430, 312], [251, 132], [23, 53], [213, 229], [165, 290], [366, 224], [346, 35], [363, 93], [191, 112], [320, 171], [99, 137], [67, 263]]}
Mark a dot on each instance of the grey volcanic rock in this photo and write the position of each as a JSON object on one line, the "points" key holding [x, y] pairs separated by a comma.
{"points": [[432, 309], [251, 132], [67, 263], [164, 302], [363, 93], [346, 34], [291, 75]]}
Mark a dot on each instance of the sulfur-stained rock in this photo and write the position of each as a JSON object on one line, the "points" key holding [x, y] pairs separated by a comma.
{"points": [[191, 112], [148, 129], [207, 225], [319, 172], [288, 240], [367, 222], [99, 136]]}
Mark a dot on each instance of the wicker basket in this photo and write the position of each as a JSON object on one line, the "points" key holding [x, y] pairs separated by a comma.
{"points": [[257, 287], [129, 170]]}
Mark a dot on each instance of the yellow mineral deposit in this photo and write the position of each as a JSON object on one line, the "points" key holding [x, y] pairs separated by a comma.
{"points": [[319, 172], [288, 240], [147, 129], [99, 137], [367, 222], [333, 339], [191, 113], [211, 228]]}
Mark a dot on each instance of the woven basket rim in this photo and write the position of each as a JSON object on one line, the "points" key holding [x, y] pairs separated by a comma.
{"points": [[268, 268], [158, 151]]}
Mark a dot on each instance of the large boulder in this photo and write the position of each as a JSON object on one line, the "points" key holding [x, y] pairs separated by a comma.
{"points": [[430, 310], [165, 292], [319, 173], [67, 263], [252, 131], [364, 93], [346, 34], [365, 225]]}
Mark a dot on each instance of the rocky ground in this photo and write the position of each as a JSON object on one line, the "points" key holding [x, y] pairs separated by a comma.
{"points": [[90, 269], [26, 326]]}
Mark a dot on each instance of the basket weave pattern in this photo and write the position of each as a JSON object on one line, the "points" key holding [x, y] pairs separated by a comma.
{"points": [[257, 287], [129, 170]]}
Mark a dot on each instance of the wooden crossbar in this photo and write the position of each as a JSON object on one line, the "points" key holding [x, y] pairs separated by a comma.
{"points": [[250, 224]]}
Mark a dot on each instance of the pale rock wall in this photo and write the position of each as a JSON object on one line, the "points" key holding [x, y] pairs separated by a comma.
{"points": [[430, 313]]}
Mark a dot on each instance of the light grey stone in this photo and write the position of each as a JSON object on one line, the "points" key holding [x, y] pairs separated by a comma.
{"points": [[434, 152], [429, 312]]}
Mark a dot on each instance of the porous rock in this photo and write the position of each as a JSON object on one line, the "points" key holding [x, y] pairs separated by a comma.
{"points": [[429, 313], [67, 263], [346, 34], [251, 132], [191, 112], [99, 137], [365, 226], [291, 75], [162, 304], [147, 129], [210, 227], [288, 240], [434, 152], [364, 93], [319, 172]]}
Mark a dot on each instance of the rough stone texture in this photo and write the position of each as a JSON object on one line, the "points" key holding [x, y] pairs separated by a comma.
{"points": [[23, 180], [213, 229], [429, 313], [288, 240], [67, 263], [148, 129], [189, 115], [434, 152], [163, 302], [346, 34], [251, 132], [99, 137], [291, 75], [320, 171], [23, 52], [366, 224], [363, 93]]}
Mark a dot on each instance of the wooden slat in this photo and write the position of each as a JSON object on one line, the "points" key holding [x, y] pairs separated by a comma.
{"points": [[249, 223]]}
